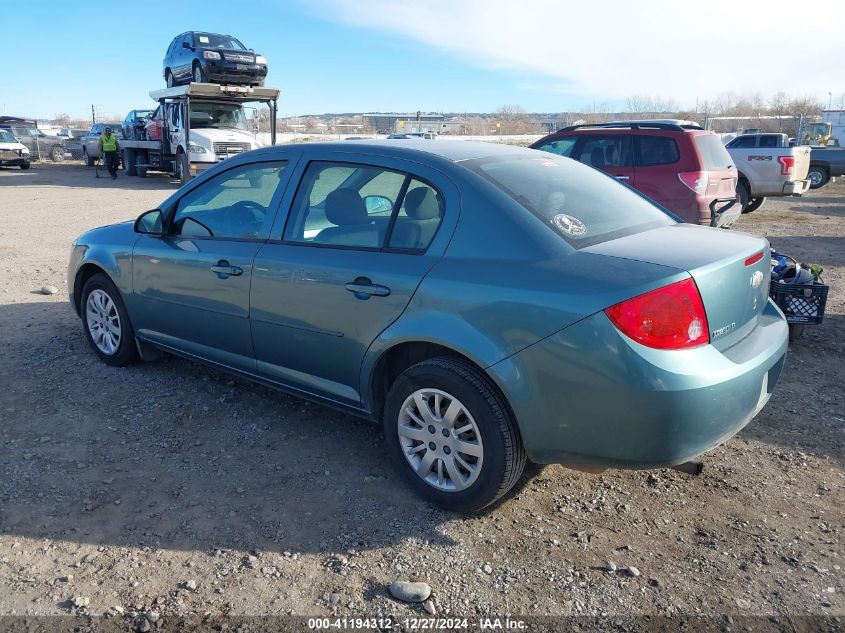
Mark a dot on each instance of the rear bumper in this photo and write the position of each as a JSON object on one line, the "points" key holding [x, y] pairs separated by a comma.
{"points": [[796, 187], [590, 396]]}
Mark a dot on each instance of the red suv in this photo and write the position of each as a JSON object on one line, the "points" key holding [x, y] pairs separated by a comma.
{"points": [[679, 165]]}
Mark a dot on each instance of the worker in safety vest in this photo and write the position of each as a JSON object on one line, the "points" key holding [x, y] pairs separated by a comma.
{"points": [[109, 148]]}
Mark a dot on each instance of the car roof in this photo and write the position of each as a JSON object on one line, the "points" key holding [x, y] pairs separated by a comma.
{"points": [[453, 151]]}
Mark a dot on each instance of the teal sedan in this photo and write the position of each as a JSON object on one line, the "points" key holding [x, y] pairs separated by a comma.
{"points": [[489, 305]]}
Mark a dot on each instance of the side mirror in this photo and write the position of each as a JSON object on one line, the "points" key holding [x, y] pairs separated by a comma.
{"points": [[150, 223], [378, 204]]}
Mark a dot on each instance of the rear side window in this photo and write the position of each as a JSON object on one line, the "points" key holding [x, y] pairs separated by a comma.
{"points": [[657, 150], [714, 156], [601, 151], [582, 205], [559, 146]]}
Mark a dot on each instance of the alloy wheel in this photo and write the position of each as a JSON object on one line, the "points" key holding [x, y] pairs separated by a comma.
{"points": [[103, 321], [440, 440]]}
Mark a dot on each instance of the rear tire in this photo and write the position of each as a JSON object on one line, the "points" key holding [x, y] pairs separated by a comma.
{"points": [[818, 177], [129, 162], [743, 192], [754, 204], [492, 434]]}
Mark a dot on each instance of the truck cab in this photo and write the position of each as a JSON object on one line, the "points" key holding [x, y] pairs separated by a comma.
{"points": [[218, 130]]}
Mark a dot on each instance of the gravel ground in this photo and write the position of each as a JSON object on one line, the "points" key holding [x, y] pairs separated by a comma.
{"points": [[175, 489]]}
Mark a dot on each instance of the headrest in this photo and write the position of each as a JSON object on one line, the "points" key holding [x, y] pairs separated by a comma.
{"points": [[597, 157], [345, 207], [421, 204]]}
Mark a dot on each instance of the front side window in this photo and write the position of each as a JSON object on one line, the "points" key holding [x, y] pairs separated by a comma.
{"points": [[559, 146], [743, 142], [603, 151], [363, 206], [769, 141], [236, 204], [657, 150], [581, 205]]}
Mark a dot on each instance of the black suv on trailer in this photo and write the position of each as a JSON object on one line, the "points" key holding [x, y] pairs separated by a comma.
{"points": [[210, 57]]}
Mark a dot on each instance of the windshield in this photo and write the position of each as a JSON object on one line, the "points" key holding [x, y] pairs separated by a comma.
{"points": [[6, 137], [218, 115], [212, 40], [583, 205]]}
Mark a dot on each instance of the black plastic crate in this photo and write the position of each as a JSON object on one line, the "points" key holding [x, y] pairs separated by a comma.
{"points": [[800, 303]]}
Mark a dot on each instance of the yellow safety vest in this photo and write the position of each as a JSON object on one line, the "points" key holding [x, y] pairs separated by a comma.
{"points": [[109, 143]]}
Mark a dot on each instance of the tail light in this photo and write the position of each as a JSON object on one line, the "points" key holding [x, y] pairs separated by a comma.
{"points": [[787, 165], [671, 317], [695, 180]]}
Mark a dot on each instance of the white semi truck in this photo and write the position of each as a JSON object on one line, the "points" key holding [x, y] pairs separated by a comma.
{"points": [[201, 124]]}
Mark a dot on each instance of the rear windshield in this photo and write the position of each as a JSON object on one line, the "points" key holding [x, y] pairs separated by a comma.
{"points": [[714, 156], [583, 205]]}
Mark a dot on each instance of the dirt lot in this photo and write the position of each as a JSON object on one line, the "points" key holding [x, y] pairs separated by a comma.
{"points": [[174, 488]]}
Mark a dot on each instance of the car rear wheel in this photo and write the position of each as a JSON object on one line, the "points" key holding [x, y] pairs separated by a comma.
{"points": [[743, 192], [452, 436], [817, 176], [168, 78], [199, 75], [106, 322], [754, 204]]}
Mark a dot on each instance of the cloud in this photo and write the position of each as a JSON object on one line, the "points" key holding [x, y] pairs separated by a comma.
{"points": [[611, 49]]}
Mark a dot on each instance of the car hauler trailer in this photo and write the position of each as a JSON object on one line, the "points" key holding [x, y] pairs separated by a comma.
{"points": [[202, 124]]}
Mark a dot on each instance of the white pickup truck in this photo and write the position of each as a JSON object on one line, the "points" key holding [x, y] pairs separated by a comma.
{"points": [[768, 166]]}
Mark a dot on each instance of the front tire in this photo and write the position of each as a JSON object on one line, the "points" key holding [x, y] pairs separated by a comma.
{"points": [[474, 454], [199, 75], [57, 154], [106, 322], [86, 158], [168, 78], [24, 165], [183, 169]]}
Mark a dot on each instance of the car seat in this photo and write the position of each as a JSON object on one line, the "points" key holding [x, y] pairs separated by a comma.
{"points": [[597, 158], [346, 209], [424, 212]]}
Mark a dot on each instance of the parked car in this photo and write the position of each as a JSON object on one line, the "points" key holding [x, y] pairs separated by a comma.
{"points": [[134, 124], [91, 141], [40, 145], [825, 163], [13, 153], [768, 166], [153, 126], [489, 304], [203, 57], [675, 163]]}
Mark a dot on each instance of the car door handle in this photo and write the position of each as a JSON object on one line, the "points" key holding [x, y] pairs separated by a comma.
{"points": [[224, 269], [622, 177], [366, 288]]}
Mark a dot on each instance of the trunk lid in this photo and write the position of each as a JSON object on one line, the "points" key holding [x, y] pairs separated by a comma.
{"points": [[733, 288]]}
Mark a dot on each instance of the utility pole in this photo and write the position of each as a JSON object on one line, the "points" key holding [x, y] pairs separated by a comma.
{"points": [[93, 119]]}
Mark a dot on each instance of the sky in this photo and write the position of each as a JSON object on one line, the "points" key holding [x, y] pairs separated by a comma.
{"points": [[438, 55]]}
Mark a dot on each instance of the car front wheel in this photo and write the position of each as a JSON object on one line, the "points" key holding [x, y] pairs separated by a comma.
{"points": [[86, 158], [106, 322], [452, 436]]}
